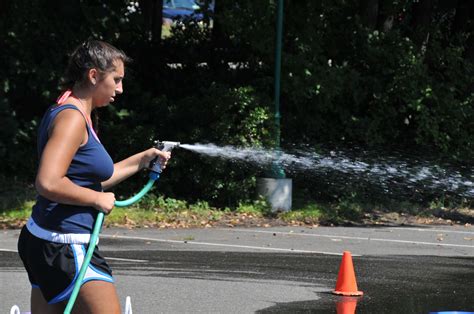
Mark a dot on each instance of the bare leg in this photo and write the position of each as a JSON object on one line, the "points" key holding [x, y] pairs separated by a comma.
{"points": [[97, 297], [40, 306]]}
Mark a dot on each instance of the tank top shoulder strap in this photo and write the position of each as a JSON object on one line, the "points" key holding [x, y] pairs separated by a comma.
{"points": [[61, 101], [46, 122], [90, 128], [56, 109]]}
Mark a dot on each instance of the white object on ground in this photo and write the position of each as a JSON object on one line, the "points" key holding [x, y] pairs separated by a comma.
{"points": [[128, 306]]}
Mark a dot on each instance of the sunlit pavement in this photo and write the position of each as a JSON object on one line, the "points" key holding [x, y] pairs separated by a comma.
{"points": [[286, 269]]}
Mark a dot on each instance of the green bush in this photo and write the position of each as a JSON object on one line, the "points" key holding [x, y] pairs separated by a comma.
{"points": [[342, 82]]}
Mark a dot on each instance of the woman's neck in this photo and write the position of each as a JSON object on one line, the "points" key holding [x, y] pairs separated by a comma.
{"points": [[83, 98]]}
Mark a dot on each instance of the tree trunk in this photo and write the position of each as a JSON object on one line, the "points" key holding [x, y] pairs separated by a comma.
{"points": [[387, 15], [218, 42], [422, 13], [469, 48], [4, 7], [152, 19], [446, 5], [150, 46], [461, 18], [157, 22], [207, 12], [369, 10]]}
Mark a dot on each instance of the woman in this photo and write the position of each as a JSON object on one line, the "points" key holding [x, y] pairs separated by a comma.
{"points": [[74, 170]]}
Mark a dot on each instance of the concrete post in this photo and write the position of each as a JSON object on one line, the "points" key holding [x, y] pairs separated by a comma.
{"points": [[277, 192]]}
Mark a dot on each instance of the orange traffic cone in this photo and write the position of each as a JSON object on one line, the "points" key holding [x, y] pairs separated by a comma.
{"points": [[346, 305], [346, 282]]}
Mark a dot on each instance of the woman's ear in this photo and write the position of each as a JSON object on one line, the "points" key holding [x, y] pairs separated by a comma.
{"points": [[93, 76]]}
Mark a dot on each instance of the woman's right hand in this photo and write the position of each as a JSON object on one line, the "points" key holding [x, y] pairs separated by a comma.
{"points": [[105, 202]]}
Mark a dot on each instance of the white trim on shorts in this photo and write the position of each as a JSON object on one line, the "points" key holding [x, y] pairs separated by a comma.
{"points": [[54, 236], [92, 273]]}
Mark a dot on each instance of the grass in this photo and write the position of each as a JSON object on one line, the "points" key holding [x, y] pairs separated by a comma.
{"points": [[163, 212], [17, 199], [310, 214]]}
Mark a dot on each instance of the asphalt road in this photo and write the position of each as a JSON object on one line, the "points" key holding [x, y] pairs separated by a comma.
{"points": [[276, 270]]}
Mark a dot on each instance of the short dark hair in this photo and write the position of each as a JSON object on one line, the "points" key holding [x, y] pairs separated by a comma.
{"points": [[91, 54]]}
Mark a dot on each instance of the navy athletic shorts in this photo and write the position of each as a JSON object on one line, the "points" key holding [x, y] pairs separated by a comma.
{"points": [[54, 267]]}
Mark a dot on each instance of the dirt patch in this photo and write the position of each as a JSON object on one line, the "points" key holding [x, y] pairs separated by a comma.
{"points": [[404, 219]]}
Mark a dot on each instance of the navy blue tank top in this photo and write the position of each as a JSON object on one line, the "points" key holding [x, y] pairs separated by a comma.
{"points": [[89, 167]]}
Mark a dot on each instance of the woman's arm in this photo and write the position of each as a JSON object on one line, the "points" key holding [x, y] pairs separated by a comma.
{"points": [[67, 132], [133, 164]]}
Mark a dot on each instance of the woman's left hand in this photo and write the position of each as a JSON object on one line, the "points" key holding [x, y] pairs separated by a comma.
{"points": [[151, 154]]}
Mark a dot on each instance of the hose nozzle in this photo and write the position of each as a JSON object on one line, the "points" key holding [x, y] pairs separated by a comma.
{"points": [[155, 166], [166, 146]]}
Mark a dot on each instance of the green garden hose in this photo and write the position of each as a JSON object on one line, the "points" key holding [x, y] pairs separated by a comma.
{"points": [[94, 239], [164, 146]]}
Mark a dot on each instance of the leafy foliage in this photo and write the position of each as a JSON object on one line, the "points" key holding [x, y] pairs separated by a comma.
{"points": [[344, 80]]}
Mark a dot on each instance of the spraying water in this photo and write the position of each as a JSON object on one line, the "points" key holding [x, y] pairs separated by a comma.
{"points": [[384, 173]]}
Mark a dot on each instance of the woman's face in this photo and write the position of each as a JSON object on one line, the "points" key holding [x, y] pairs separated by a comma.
{"points": [[109, 85]]}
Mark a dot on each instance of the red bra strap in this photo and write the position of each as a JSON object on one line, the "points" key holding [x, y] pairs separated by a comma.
{"points": [[61, 101]]}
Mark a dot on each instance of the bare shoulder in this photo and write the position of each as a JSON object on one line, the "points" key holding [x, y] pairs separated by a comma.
{"points": [[69, 123]]}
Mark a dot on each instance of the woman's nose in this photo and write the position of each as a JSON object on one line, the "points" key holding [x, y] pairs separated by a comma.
{"points": [[119, 88]]}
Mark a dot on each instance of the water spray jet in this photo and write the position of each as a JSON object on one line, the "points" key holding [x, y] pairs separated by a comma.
{"points": [[391, 173]]}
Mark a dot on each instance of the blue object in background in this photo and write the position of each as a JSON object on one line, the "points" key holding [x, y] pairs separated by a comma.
{"points": [[182, 10], [451, 312]]}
